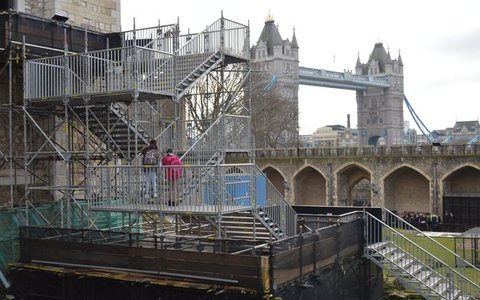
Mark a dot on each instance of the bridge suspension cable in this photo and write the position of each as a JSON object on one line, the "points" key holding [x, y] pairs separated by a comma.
{"points": [[423, 128]]}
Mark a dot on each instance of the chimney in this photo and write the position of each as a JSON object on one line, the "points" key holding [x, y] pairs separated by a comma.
{"points": [[348, 121]]}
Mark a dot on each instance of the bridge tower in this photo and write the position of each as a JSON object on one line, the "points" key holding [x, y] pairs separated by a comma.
{"points": [[380, 110], [275, 65]]}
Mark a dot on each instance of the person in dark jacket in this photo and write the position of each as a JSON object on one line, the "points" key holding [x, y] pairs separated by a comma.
{"points": [[150, 160]]}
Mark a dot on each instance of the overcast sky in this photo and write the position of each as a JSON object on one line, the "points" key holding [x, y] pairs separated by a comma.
{"points": [[439, 42]]}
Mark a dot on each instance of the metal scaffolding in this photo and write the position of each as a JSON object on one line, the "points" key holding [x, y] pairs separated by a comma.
{"points": [[87, 114]]}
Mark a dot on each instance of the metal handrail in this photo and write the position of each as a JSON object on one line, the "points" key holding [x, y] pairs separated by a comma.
{"points": [[277, 207], [387, 212], [459, 278]]}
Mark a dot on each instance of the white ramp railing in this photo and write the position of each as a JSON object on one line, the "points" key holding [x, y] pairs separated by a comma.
{"points": [[413, 265]]}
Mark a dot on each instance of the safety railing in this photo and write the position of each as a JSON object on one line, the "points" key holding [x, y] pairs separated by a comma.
{"points": [[161, 37], [377, 232], [224, 35], [229, 133], [147, 65], [145, 116], [199, 52], [463, 266], [274, 203], [198, 188], [98, 73]]}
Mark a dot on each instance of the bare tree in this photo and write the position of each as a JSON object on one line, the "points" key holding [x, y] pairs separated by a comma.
{"points": [[220, 92], [274, 118], [229, 91]]}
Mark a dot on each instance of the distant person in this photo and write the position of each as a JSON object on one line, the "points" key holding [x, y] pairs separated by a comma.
{"points": [[172, 174], [150, 159]]}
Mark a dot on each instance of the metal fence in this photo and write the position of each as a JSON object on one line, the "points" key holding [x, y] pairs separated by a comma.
{"points": [[377, 232], [198, 189], [150, 61], [228, 133]]}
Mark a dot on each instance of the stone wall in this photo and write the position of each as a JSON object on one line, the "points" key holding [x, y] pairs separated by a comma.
{"points": [[398, 182], [102, 15]]}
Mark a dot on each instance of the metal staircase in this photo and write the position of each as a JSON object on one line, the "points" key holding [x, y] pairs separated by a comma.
{"points": [[243, 225], [394, 251], [203, 67]]}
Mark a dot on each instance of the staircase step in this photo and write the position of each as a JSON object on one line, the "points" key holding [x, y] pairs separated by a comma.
{"points": [[432, 281], [423, 275], [441, 288], [404, 263], [377, 246], [387, 250], [413, 269]]}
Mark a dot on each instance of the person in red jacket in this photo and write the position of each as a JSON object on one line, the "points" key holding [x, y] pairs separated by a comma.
{"points": [[173, 170]]}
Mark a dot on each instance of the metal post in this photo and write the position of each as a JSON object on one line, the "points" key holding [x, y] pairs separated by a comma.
{"points": [[68, 160], [330, 184], [10, 110], [435, 192]]}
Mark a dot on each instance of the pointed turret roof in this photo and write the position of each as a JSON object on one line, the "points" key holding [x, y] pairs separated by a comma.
{"points": [[380, 55], [359, 63], [294, 40], [400, 62], [270, 36]]}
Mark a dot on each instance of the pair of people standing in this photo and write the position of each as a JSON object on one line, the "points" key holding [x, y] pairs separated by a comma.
{"points": [[150, 161]]}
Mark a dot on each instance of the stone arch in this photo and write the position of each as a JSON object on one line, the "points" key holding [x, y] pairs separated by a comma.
{"points": [[373, 140], [461, 196], [407, 189], [353, 185], [310, 187], [276, 178], [462, 179]]}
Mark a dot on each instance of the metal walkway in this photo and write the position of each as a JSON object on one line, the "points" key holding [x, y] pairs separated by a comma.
{"points": [[340, 80], [399, 249]]}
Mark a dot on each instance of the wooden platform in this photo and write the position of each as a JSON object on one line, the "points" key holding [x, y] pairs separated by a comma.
{"points": [[260, 270], [181, 209]]}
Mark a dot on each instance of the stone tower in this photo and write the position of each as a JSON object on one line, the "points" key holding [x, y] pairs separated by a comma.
{"points": [[380, 110], [98, 15], [276, 60]]}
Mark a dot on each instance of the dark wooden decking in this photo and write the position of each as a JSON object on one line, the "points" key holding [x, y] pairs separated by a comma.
{"points": [[257, 271]]}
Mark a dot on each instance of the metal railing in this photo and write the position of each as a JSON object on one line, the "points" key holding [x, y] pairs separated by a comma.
{"points": [[146, 117], [376, 232], [162, 37], [149, 62], [100, 72], [228, 133], [199, 189], [223, 35], [453, 259], [275, 205]]}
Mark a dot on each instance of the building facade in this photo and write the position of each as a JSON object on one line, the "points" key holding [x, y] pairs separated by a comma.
{"points": [[380, 110], [98, 15], [275, 60]]}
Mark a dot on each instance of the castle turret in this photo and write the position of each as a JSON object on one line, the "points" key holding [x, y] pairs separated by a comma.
{"points": [[294, 45], [278, 59], [358, 66], [380, 110]]}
